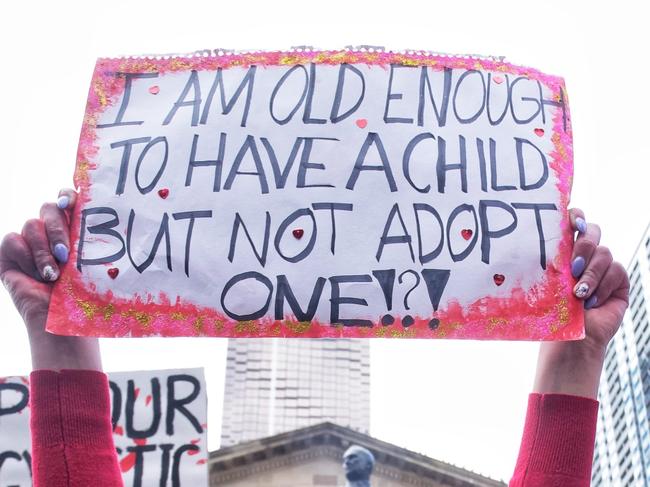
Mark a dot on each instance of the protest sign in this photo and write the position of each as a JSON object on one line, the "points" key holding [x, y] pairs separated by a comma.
{"points": [[321, 194], [15, 447], [159, 428]]}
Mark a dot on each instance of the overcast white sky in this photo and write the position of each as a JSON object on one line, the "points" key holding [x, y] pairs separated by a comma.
{"points": [[461, 402]]}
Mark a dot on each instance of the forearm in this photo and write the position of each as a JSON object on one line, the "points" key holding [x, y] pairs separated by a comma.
{"points": [[53, 352], [72, 441], [560, 428], [558, 442], [571, 368]]}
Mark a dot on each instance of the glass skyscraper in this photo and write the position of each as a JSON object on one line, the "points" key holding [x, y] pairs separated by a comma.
{"points": [[622, 453], [275, 385]]}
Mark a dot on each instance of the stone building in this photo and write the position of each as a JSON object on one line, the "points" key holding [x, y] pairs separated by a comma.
{"points": [[311, 456]]}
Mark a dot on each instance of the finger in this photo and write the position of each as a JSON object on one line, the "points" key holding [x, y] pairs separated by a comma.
{"points": [[16, 255], [67, 199], [594, 273], [584, 248], [36, 237], [578, 222], [58, 231], [613, 282], [622, 294]]}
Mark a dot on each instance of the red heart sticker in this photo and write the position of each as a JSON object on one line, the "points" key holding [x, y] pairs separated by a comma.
{"points": [[298, 232], [113, 272], [498, 279], [154, 90], [466, 233], [539, 132], [163, 193], [362, 123], [497, 79]]}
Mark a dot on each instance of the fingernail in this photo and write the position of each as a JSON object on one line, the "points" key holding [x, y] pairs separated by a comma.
{"points": [[591, 302], [63, 202], [581, 290], [61, 253], [581, 225], [49, 274], [577, 266]]}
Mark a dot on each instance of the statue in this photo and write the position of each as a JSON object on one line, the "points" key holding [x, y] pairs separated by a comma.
{"points": [[358, 463]]}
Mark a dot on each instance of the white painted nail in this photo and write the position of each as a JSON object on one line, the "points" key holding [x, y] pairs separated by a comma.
{"points": [[581, 290], [49, 274]]}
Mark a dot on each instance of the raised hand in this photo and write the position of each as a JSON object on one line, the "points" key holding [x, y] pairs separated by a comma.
{"points": [[30, 261], [30, 264], [574, 367], [603, 284]]}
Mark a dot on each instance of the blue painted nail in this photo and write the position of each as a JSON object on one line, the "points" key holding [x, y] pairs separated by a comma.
{"points": [[577, 266], [61, 253], [63, 202], [591, 302], [581, 225]]}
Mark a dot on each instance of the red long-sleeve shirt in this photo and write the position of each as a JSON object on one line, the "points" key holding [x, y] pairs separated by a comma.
{"points": [[72, 437], [72, 440], [557, 446]]}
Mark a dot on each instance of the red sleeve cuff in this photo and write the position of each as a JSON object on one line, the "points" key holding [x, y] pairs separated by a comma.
{"points": [[558, 439], [71, 406]]}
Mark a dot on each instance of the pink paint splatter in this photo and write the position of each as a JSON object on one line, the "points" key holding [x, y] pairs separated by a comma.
{"points": [[127, 462]]}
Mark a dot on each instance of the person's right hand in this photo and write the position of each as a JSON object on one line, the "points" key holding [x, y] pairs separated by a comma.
{"points": [[30, 261]]}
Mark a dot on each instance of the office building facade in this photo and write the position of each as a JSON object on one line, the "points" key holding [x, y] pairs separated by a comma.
{"points": [[275, 385], [622, 453]]}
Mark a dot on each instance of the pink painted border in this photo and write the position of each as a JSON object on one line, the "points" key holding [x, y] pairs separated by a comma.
{"points": [[547, 312]]}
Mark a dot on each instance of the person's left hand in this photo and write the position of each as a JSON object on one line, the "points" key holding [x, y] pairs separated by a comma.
{"points": [[603, 284], [574, 367]]}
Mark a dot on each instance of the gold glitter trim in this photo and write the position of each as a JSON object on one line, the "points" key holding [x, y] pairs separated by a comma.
{"points": [[298, 327], [246, 327], [562, 310], [88, 308], [494, 323], [402, 333], [198, 325], [218, 325], [109, 311], [140, 316], [275, 329]]}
